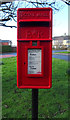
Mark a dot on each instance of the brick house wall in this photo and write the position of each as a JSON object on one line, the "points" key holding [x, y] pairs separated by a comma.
{"points": [[5, 42]]}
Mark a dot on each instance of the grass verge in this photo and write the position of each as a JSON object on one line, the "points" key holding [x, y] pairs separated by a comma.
{"points": [[17, 103]]}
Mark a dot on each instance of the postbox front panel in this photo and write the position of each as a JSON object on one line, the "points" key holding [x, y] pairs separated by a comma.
{"points": [[34, 62]]}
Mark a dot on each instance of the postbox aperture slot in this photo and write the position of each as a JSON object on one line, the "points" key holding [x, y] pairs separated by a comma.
{"points": [[37, 24], [34, 30]]}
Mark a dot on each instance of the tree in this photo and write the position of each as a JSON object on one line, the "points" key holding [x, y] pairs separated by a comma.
{"points": [[8, 9], [7, 12], [66, 2]]}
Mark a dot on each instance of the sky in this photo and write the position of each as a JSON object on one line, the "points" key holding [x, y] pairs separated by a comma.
{"points": [[60, 26], [60, 22]]}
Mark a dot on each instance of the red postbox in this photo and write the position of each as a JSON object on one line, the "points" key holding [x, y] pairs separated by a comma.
{"points": [[34, 48]]}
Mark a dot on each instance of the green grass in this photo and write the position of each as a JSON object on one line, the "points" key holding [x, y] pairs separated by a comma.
{"points": [[17, 103], [67, 52]]}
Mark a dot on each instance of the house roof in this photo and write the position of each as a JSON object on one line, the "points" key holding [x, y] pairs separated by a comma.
{"points": [[5, 41], [61, 37]]}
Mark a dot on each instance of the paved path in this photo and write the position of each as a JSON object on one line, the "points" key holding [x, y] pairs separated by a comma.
{"points": [[54, 55], [61, 56], [6, 55]]}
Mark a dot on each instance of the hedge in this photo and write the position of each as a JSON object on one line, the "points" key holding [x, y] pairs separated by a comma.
{"points": [[6, 48]]}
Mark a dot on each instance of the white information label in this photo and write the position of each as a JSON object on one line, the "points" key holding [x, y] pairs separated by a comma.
{"points": [[34, 61]]}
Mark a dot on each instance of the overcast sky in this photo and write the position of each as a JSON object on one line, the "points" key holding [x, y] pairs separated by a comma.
{"points": [[60, 26]]}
